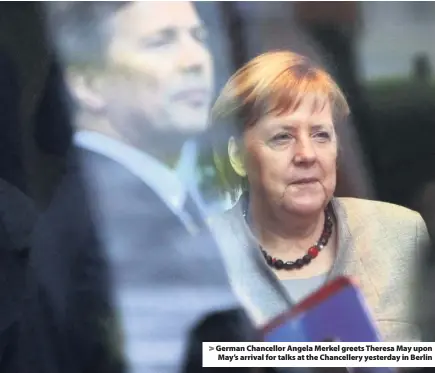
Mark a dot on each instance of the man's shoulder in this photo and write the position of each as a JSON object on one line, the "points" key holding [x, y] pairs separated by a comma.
{"points": [[81, 157], [99, 171], [93, 186], [120, 196]]}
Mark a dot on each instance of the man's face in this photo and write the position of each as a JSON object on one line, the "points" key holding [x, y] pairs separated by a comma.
{"points": [[159, 67]]}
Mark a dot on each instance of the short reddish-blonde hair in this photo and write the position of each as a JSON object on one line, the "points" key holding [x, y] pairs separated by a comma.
{"points": [[274, 82]]}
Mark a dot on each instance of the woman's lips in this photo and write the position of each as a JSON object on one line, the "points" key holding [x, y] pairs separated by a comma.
{"points": [[305, 181]]}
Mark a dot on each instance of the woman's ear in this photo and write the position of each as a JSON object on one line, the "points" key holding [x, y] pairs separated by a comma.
{"points": [[236, 157], [84, 91]]}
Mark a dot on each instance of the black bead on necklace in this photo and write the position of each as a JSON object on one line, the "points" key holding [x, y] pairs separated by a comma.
{"points": [[312, 252]]}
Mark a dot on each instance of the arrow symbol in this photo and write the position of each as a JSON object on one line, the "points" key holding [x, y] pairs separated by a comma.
{"points": [[210, 348]]}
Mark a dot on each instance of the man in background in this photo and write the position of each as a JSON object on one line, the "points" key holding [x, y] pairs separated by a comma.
{"points": [[140, 74], [149, 89]]}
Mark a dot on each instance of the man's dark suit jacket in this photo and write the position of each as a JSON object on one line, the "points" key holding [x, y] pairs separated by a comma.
{"points": [[68, 310], [18, 216], [78, 332]]}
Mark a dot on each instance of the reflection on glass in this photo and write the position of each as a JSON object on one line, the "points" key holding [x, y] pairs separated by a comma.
{"points": [[141, 75]]}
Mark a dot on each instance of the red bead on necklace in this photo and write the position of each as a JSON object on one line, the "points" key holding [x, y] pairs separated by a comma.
{"points": [[312, 252]]}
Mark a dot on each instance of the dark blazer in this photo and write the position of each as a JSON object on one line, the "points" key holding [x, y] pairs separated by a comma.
{"points": [[180, 274], [11, 161], [103, 208], [17, 219], [68, 323]]}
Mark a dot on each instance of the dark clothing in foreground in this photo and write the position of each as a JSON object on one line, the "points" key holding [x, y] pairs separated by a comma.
{"points": [[68, 323], [71, 323], [17, 219]]}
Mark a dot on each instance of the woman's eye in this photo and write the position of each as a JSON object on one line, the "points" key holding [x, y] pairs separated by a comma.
{"points": [[280, 137], [323, 135]]}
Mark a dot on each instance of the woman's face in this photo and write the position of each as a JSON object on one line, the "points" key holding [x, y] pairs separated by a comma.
{"points": [[290, 159]]}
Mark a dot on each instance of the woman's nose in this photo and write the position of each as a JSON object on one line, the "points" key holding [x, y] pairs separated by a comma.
{"points": [[304, 151]]}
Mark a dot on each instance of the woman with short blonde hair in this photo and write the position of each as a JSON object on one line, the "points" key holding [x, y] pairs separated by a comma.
{"points": [[281, 113]]}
